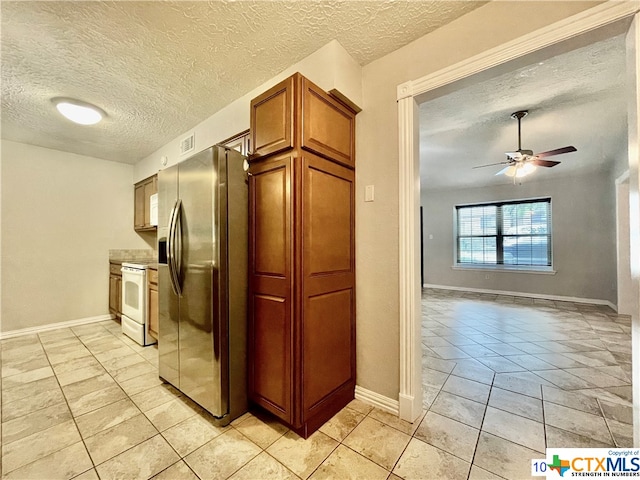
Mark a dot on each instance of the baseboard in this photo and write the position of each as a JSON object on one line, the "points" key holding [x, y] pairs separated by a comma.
{"points": [[383, 403], [54, 326], [410, 408], [560, 298]]}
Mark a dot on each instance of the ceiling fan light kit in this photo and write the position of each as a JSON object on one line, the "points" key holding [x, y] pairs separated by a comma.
{"points": [[518, 170], [523, 162]]}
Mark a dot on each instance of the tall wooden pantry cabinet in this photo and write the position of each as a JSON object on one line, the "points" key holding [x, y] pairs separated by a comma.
{"points": [[302, 266]]}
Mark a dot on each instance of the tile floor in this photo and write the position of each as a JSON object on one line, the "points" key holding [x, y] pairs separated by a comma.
{"points": [[506, 377], [503, 378]]}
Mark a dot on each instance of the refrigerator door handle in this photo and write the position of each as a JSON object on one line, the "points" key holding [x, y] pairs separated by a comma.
{"points": [[171, 249], [177, 246], [168, 244]]}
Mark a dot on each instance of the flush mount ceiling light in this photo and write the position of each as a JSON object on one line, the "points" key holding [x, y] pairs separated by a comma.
{"points": [[77, 111]]}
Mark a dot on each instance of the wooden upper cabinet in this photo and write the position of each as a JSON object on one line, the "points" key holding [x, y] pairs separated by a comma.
{"points": [[150, 188], [328, 126], [272, 120], [138, 215], [239, 142], [142, 203], [296, 112]]}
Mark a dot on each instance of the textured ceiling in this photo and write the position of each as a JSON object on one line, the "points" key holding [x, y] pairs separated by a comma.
{"points": [[160, 68], [576, 98]]}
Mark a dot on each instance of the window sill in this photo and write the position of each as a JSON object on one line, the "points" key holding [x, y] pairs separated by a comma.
{"points": [[506, 268]]}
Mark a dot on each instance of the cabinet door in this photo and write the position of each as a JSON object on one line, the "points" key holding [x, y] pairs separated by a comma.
{"points": [[271, 279], [149, 189], [328, 281], [328, 126], [113, 294], [153, 311], [142, 205], [239, 143], [138, 216], [272, 119], [119, 296]]}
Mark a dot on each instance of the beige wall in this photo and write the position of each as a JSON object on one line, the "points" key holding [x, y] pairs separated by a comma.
{"points": [[584, 226], [377, 223], [330, 67], [61, 213]]}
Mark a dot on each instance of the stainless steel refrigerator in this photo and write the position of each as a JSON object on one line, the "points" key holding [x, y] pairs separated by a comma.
{"points": [[202, 280]]}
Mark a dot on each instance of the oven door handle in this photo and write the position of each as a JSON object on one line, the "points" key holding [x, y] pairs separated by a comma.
{"points": [[171, 249]]}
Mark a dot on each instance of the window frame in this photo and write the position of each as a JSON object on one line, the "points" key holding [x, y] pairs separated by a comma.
{"points": [[500, 236]]}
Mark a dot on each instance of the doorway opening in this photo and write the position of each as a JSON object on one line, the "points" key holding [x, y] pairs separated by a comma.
{"points": [[544, 43]]}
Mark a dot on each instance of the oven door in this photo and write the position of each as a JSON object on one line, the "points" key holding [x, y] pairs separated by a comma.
{"points": [[133, 294]]}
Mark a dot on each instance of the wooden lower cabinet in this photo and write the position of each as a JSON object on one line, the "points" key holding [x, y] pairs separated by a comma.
{"points": [[115, 289], [152, 305], [302, 288]]}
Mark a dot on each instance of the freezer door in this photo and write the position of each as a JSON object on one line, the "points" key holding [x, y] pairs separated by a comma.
{"points": [[168, 301], [203, 342]]}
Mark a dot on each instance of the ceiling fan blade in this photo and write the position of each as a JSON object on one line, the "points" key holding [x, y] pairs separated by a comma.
{"points": [[557, 151], [543, 163], [493, 164]]}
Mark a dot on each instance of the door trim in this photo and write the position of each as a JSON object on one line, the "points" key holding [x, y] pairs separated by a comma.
{"points": [[410, 392], [633, 140]]}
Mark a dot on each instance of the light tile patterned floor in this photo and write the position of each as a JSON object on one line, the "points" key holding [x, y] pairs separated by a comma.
{"points": [[503, 378], [506, 377]]}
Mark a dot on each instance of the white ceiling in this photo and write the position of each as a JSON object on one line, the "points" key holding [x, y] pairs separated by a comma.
{"points": [[160, 68], [575, 98]]}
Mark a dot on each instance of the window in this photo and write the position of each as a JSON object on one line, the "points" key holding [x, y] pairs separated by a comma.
{"points": [[514, 233]]}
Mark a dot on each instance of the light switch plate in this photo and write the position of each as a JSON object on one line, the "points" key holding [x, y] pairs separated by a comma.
{"points": [[368, 193]]}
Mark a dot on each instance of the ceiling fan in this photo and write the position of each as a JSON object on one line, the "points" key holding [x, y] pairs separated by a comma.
{"points": [[523, 162]]}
